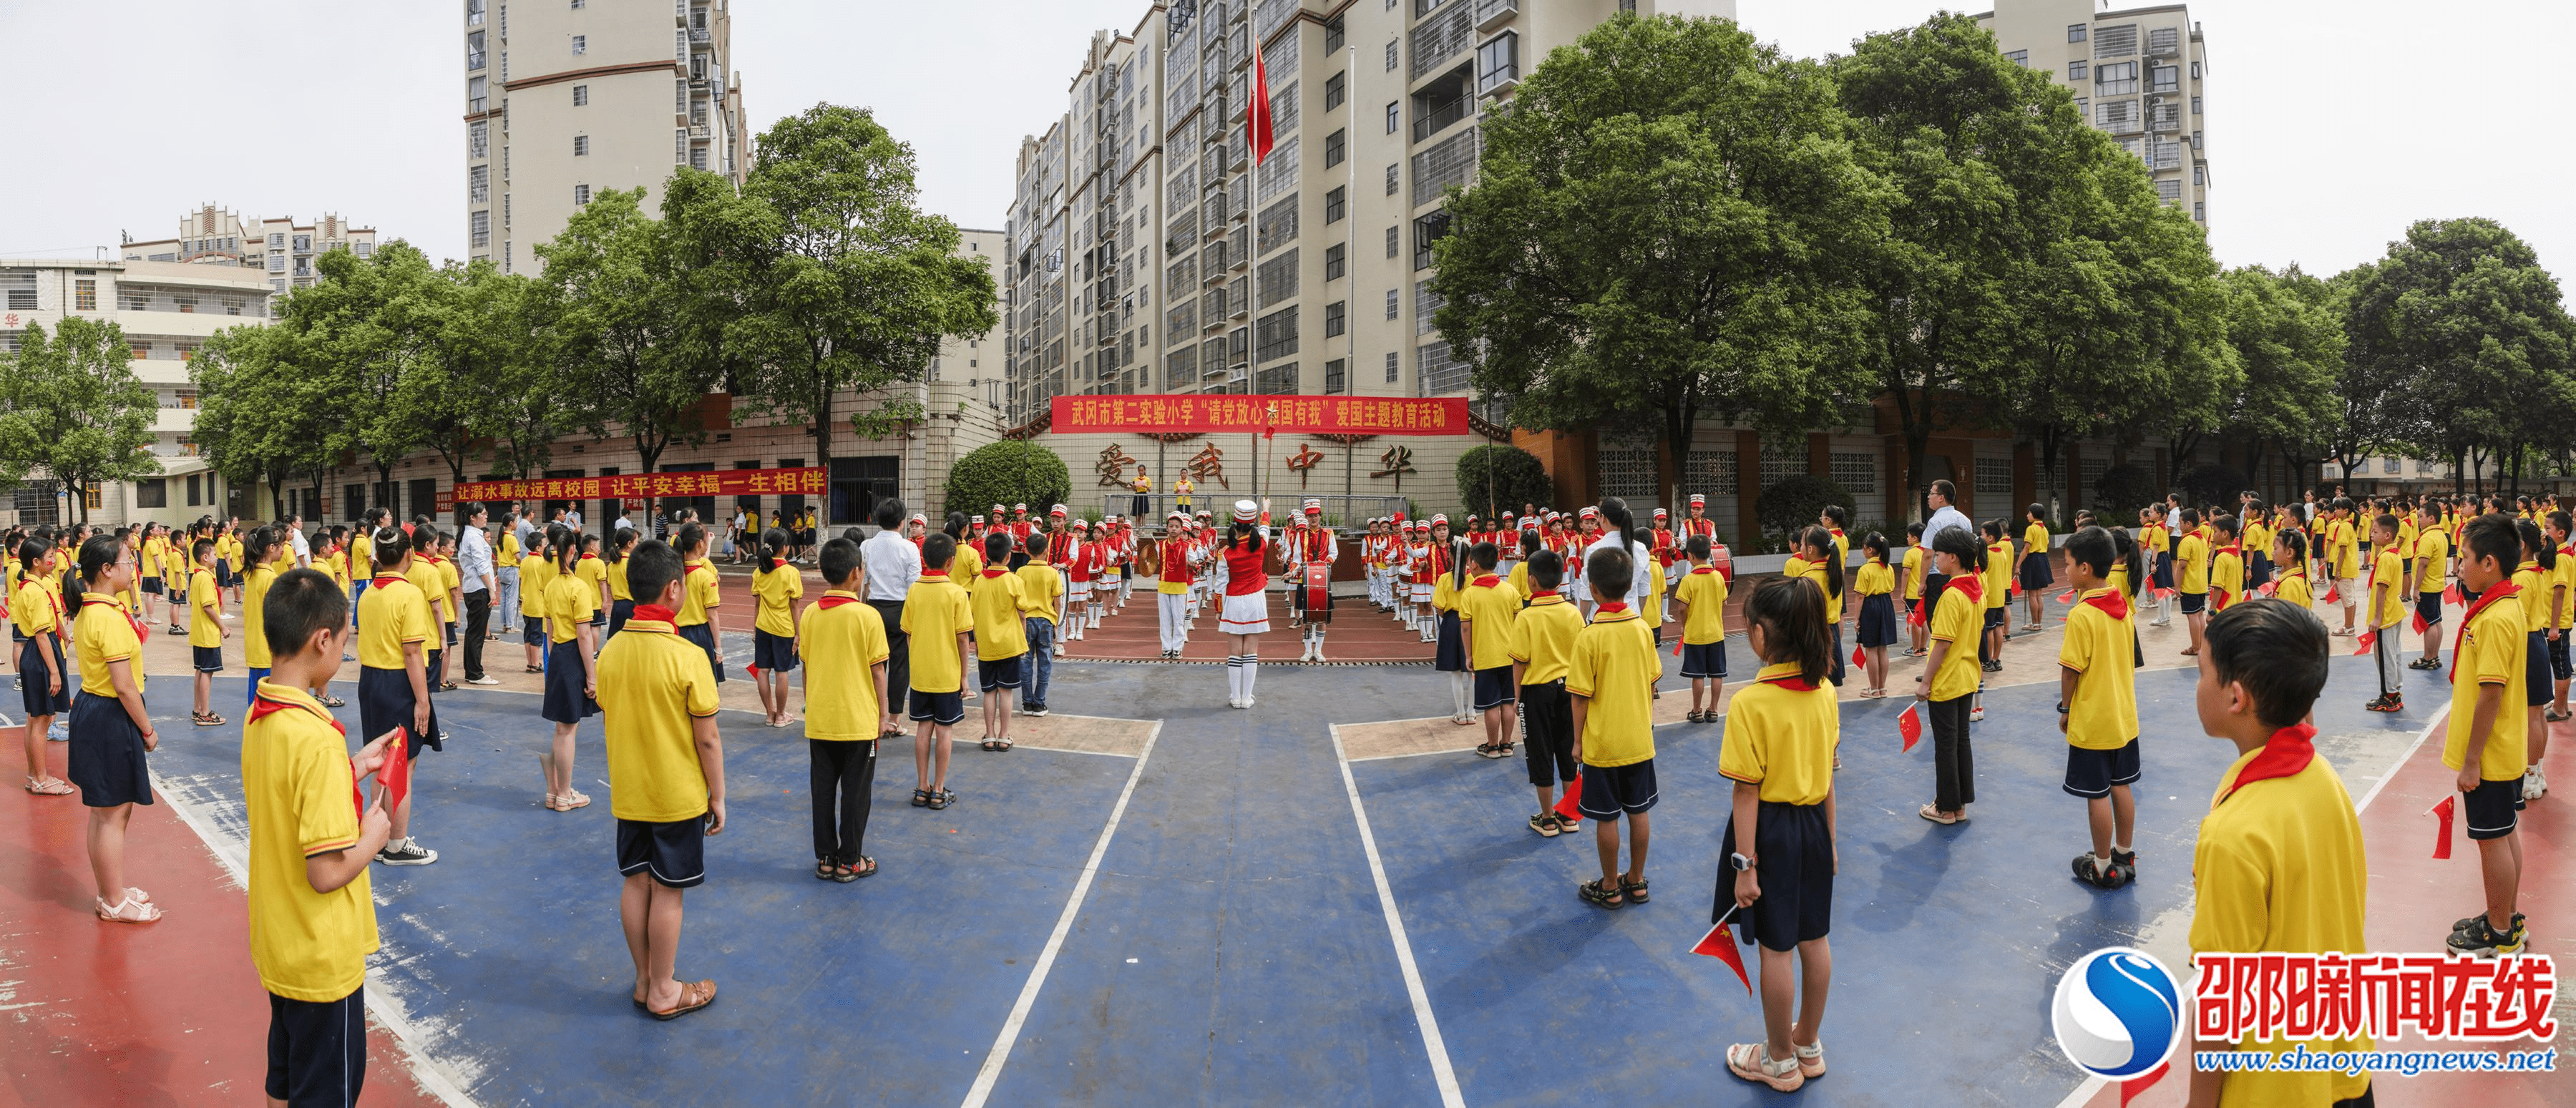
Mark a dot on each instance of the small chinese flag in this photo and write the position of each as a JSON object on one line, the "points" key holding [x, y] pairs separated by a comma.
{"points": [[2364, 642], [2442, 846], [1860, 655], [1677, 646], [2420, 625], [754, 671], [2067, 597], [2451, 595], [1719, 943], [2134, 1086], [1573, 789], [2164, 593], [1909, 723], [1916, 616], [2333, 595], [2269, 587]]}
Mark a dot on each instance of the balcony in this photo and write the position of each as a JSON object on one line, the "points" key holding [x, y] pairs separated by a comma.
{"points": [[699, 35], [1439, 119], [698, 133], [1494, 13]]}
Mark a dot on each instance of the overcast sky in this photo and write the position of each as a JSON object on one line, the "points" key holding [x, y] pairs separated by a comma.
{"points": [[2330, 126]]}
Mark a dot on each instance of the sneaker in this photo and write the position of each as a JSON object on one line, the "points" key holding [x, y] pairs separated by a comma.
{"points": [[406, 851], [2533, 785], [2092, 870], [1977, 715], [2479, 939], [2462, 923], [1037, 711], [486, 679], [2390, 703]]}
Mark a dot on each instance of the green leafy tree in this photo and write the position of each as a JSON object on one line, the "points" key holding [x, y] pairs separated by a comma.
{"points": [[75, 409], [2122, 490], [2290, 346], [259, 417], [468, 353], [1012, 471], [848, 285], [1655, 238], [364, 327], [1496, 478], [1796, 502]]}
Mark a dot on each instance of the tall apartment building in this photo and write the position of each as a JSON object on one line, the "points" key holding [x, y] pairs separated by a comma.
{"points": [[1137, 262], [582, 110], [167, 308], [2135, 73], [280, 248]]}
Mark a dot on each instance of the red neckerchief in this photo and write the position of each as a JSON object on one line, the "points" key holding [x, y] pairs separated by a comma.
{"points": [[1537, 593], [381, 580], [1613, 608], [261, 705], [1793, 682], [2289, 751], [587, 557], [654, 613], [2111, 603], [1838, 532], [939, 573], [994, 571], [1487, 581], [1703, 569], [2501, 590], [1968, 584], [833, 600]]}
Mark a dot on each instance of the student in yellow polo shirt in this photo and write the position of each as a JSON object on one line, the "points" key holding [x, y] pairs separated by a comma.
{"points": [[2562, 618], [2387, 600], [1779, 841], [2487, 741], [1947, 687], [2191, 585], [1611, 674], [206, 632], [110, 731], [2534, 580], [939, 625], [154, 556], [657, 697], [2432, 563], [2097, 709], [1998, 585], [1702, 593], [699, 596], [312, 913], [844, 645], [259, 552], [536, 571], [572, 682], [44, 670], [1043, 585], [776, 586], [2278, 863], [1487, 608], [1542, 654], [395, 627], [1001, 607], [2294, 580]]}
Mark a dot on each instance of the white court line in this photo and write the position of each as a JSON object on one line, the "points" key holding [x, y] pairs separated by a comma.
{"points": [[234, 857], [1441, 1073], [2092, 1086], [1010, 1036]]}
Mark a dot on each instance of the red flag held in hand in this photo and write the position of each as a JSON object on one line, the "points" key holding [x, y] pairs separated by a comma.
{"points": [[1916, 617], [2451, 595], [1573, 789], [2268, 588], [1677, 647], [1909, 723], [2164, 593], [2364, 642], [2067, 597], [754, 671], [2420, 625], [1860, 655], [2333, 595], [2136, 1085], [1719, 943], [2442, 846]]}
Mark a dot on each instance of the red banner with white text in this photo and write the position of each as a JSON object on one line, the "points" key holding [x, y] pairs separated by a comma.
{"points": [[806, 480], [1306, 415]]}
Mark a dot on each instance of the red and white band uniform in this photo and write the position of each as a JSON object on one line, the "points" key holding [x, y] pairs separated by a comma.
{"points": [[1172, 593], [1311, 546]]}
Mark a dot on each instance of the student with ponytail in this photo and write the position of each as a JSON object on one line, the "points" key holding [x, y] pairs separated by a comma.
{"points": [[44, 677], [572, 645], [1947, 687], [111, 729], [776, 586], [621, 596], [1824, 565]]}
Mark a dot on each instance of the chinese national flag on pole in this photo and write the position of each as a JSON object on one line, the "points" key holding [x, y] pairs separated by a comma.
{"points": [[1256, 115], [1719, 943]]}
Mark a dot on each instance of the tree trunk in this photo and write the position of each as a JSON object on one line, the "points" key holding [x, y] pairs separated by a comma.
{"points": [[822, 432]]}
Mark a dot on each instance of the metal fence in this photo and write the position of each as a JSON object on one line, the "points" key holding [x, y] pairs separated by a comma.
{"points": [[1347, 512]]}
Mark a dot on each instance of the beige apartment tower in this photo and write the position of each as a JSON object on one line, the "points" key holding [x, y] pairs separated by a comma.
{"points": [[564, 98], [279, 248], [2135, 72], [1139, 260]]}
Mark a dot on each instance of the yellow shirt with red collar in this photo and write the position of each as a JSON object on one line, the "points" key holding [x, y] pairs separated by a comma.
{"points": [[2226, 577], [652, 685], [2099, 648], [300, 796], [1488, 607], [842, 641], [1613, 665], [101, 635], [2490, 650], [1781, 732]]}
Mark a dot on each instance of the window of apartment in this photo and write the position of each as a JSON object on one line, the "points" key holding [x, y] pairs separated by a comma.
{"points": [[1498, 62], [1392, 234], [1335, 148], [2169, 189], [2388, 465], [1333, 36], [576, 4], [1390, 55], [2195, 71], [232, 306], [2195, 140], [2199, 175], [90, 497], [21, 286], [1336, 203], [473, 13], [187, 399], [152, 493], [2018, 57], [475, 100], [1334, 323], [303, 244], [478, 140], [195, 496], [478, 234], [1428, 230], [2115, 79], [84, 296], [1390, 179], [581, 194], [473, 51], [185, 304], [581, 44], [133, 301], [1394, 117], [1333, 91], [581, 146], [1391, 367], [1334, 374], [2078, 69], [1334, 262], [2164, 78], [2195, 105], [1390, 303], [505, 210], [580, 96], [478, 184], [2074, 32], [277, 263]]}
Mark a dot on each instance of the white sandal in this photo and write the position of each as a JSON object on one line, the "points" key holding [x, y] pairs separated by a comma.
{"points": [[1811, 1058], [1751, 1061], [141, 911], [50, 786]]}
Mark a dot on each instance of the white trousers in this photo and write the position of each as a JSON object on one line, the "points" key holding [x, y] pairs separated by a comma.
{"points": [[1175, 610]]}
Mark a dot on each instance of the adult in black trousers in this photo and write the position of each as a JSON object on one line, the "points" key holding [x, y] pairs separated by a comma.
{"points": [[884, 584], [478, 619]]}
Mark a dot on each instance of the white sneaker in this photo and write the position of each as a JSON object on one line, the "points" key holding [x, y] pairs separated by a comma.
{"points": [[486, 679], [1977, 715], [2533, 785]]}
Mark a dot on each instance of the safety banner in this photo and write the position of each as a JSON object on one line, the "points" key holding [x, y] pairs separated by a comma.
{"points": [[806, 480], [1304, 415]]}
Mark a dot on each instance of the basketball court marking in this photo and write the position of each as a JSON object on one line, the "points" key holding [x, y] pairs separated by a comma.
{"points": [[1441, 1072], [2093, 1086], [234, 859], [1010, 1035]]}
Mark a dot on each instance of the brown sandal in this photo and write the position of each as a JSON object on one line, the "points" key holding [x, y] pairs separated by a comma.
{"points": [[693, 996]]}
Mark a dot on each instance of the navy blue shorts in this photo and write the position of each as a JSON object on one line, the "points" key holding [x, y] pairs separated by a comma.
{"points": [[1795, 866], [704, 634], [209, 659], [317, 1050], [1704, 659], [619, 611], [1547, 733], [1611, 790], [565, 702], [2493, 808], [2558, 664], [35, 697], [999, 673], [384, 703], [1495, 687], [2536, 688], [772, 653], [2194, 603], [107, 755], [2091, 773], [942, 708], [1994, 618], [532, 628], [674, 853], [2428, 606], [152, 585]]}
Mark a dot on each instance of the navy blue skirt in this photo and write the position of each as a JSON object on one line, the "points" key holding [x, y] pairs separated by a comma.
{"points": [[1877, 620], [2035, 572], [565, 702], [107, 755], [385, 702], [31, 678], [1451, 655], [618, 613]]}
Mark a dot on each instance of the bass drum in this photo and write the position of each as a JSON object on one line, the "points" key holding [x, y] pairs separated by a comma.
{"points": [[1315, 588]]}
